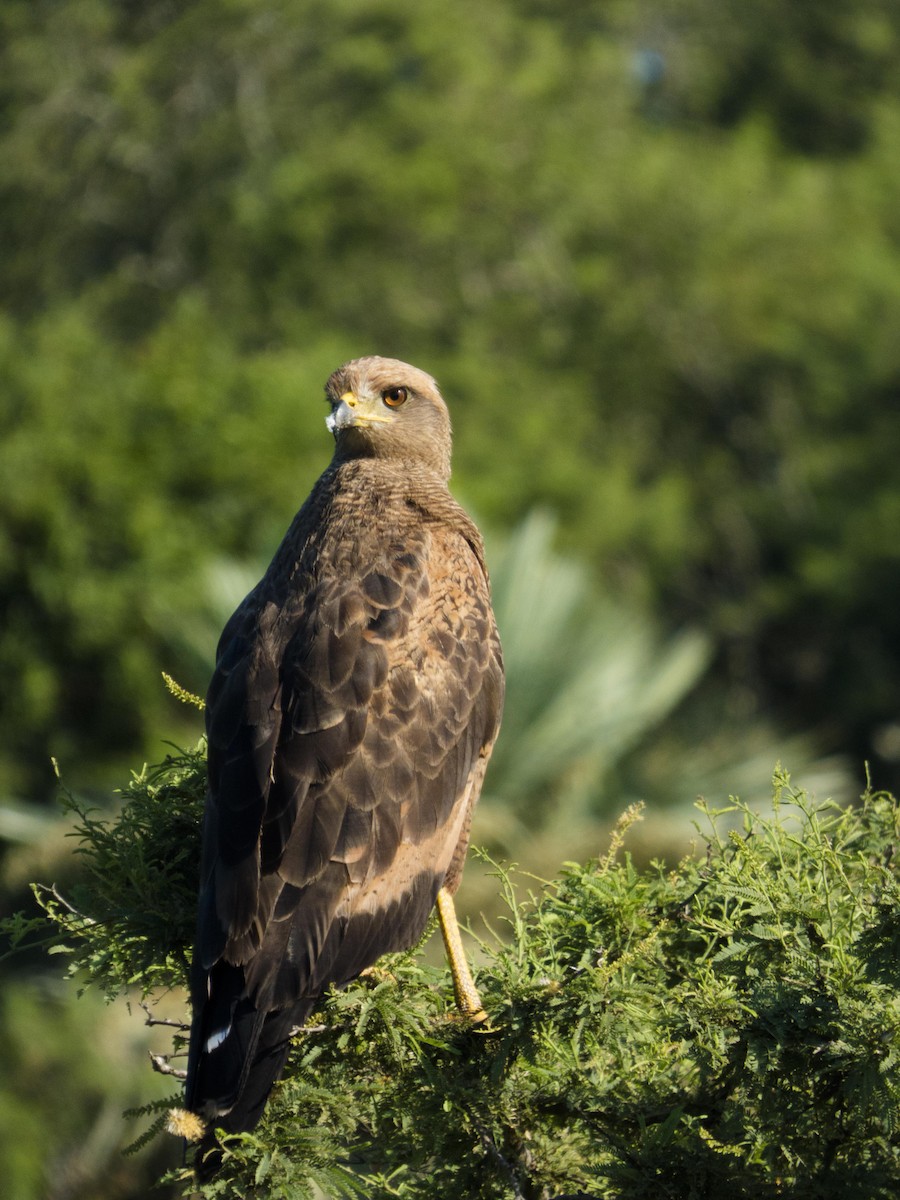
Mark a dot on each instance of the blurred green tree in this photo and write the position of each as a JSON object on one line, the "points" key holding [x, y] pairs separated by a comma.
{"points": [[673, 324], [69, 1066]]}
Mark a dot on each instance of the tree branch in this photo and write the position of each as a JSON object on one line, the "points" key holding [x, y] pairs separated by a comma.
{"points": [[161, 1064]]}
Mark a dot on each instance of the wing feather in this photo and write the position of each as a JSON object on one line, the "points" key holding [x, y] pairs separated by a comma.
{"points": [[356, 696], [313, 838]]}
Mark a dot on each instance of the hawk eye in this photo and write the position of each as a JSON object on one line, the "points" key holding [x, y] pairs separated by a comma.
{"points": [[394, 397]]}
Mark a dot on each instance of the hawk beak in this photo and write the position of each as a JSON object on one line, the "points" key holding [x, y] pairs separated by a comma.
{"points": [[343, 414], [351, 410]]}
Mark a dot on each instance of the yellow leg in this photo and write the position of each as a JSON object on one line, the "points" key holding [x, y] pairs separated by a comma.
{"points": [[467, 999]]}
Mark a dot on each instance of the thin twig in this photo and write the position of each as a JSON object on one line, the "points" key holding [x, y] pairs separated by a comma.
{"points": [[151, 1020], [487, 1140], [161, 1064], [57, 895]]}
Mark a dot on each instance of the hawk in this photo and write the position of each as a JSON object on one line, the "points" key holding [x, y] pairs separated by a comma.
{"points": [[355, 701]]}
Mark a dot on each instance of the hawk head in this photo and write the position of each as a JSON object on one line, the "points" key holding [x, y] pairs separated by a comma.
{"points": [[384, 408]]}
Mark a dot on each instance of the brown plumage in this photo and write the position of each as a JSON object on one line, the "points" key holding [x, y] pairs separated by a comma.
{"points": [[355, 701]]}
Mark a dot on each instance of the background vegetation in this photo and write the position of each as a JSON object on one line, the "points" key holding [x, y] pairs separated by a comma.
{"points": [[652, 256], [729, 1024]]}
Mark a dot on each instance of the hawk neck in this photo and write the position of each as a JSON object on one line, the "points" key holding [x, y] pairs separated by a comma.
{"points": [[372, 493]]}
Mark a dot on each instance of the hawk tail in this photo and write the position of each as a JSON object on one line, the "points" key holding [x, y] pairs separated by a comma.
{"points": [[237, 1055]]}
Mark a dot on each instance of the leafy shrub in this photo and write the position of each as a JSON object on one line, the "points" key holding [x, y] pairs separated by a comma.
{"points": [[729, 1025]]}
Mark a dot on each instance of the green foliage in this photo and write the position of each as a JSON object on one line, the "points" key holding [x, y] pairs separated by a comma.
{"points": [[603, 709], [727, 1025], [103, 550], [661, 294], [815, 73], [138, 891], [587, 678], [69, 1065]]}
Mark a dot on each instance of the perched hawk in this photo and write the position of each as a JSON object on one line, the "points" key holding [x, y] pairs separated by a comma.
{"points": [[355, 701]]}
